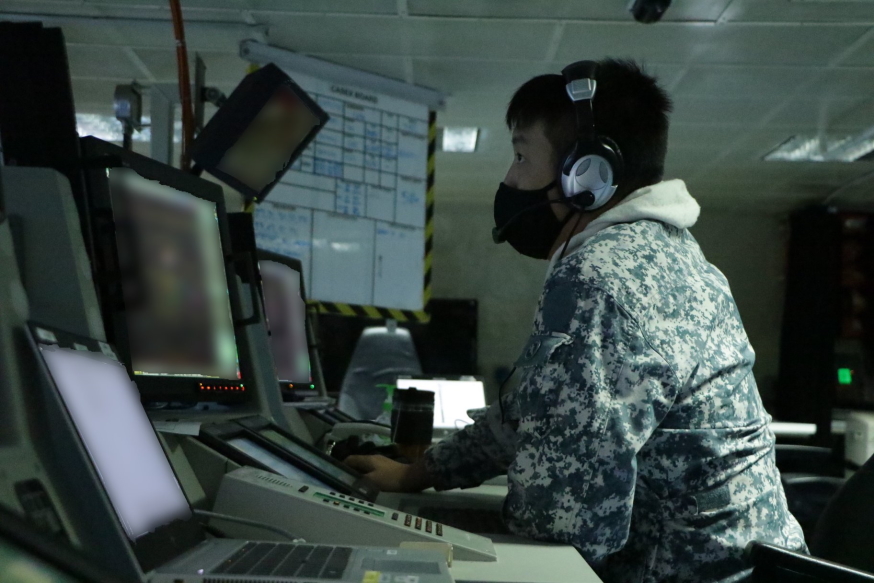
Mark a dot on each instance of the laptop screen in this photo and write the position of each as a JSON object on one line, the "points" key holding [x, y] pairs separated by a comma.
{"points": [[105, 408], [452, 399]]}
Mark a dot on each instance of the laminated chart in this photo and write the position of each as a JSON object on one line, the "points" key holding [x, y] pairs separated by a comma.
{"points": [[352, 207]]}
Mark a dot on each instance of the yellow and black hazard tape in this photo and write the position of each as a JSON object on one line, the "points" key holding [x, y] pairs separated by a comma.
{"points": [[370, 312], [404, 315]]}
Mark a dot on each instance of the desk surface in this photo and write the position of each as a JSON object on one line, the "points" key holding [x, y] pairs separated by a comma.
{"points": [[528, 563]]}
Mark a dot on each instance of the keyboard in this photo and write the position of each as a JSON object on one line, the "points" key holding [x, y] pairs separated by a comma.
{"points": [[467, 519], [286, 560]]}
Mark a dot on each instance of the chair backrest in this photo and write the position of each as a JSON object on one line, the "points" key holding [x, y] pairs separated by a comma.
{"points": [[380, 356], [845, 532], [773, 564]]}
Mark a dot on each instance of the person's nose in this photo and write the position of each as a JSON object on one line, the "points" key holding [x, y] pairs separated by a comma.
{"points": [[511, 179]]}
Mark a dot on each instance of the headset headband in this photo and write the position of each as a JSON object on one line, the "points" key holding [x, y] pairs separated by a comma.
{"points": [[580, 87]]}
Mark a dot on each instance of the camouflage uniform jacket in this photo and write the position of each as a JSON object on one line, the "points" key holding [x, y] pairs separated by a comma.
{"points": [[637, 433]]}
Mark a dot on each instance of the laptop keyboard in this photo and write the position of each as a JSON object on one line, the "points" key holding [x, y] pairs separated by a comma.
{"points": [[467, 519], [286, 560]]}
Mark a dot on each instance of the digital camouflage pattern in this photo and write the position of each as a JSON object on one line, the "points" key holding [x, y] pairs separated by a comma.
{"points": [[637, 433]]}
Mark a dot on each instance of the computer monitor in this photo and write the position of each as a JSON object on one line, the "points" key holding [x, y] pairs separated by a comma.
{"points": [[167, 289], [453, 398], [287, 321], [255, 136], [255, 441], [105, 407]]}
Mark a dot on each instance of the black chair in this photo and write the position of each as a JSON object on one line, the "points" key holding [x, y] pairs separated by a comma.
{"points": [[845, 533], [842, 544], [773, 564], [811, 477]]}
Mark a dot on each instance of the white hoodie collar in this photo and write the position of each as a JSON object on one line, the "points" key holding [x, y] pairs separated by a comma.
{"points": [[668, 202]]}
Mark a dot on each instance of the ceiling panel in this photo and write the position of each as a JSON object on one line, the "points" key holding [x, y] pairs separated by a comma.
{"points": [[664, 44], [742, 82], [93, 96], [685, 43], [844, 83], [386, 65], [87, 61], [341, 34], [199, 6], [474, 75], [221, 37], [793, 11], [863, 55], [716, 111], [394, 36], [326, 6], [220, 67], [480, 40], [825, 114], [561, 9]]}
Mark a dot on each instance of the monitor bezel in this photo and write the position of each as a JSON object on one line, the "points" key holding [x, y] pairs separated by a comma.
{"points": [[217, 436], [362, 487], [98, 157], [229, 123], [291, 393], [162, 544]]}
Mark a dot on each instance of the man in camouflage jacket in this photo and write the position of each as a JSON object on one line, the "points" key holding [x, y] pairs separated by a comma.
{"points": [[637, 433]]}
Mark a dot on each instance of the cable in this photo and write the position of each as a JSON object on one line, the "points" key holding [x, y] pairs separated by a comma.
{"points": [[244, 521], [569, 237], [184, 84]]}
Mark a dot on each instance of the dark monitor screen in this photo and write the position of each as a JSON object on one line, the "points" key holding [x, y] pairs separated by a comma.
{"points": [[306, 455], [286, 320], [274, 462], [174, 283]]}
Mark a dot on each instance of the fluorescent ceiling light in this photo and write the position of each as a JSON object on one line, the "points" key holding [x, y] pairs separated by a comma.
{"points": [[107, 128], [824, 148], [460, 139]]}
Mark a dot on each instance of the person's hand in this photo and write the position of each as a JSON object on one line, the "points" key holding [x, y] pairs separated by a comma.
{"points": [[389, 475]]}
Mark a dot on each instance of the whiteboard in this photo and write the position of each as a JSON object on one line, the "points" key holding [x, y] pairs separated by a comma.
{"points": [[352, 207]]}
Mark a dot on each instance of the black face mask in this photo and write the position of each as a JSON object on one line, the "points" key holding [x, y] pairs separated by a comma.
{"points": [[524, 218]]}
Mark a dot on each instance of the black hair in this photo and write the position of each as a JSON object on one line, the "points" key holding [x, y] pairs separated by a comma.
{"points": [[630, 108]]}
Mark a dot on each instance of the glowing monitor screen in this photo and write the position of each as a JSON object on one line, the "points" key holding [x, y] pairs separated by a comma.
{"points": [[308, 456], [265, 148], [275, 463], [452, 399], [286, 319], [175, 288], [105, 408]]}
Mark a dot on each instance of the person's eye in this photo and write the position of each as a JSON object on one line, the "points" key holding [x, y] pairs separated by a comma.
{"points": [[517, 157]]}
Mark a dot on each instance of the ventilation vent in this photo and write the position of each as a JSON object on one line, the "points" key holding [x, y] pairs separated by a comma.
{"points": [[271, 479]]}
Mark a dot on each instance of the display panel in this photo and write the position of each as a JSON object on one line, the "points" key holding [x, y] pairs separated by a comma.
{"points": [[452, 399], [178, 309], [280, 466], [259, 131], [105, 408], [267, 146], [286, 320], [308, 456]]}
